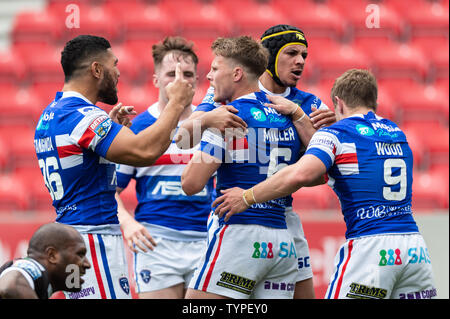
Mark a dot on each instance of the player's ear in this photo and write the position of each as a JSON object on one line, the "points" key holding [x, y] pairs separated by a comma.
{"points": [[96, 69], [52, 255], [238, 73]]}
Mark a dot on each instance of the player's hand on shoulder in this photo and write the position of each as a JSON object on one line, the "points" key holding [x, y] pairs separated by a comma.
{"points": [[223, 118], [180, 90], [322, 117], [281, 104]]}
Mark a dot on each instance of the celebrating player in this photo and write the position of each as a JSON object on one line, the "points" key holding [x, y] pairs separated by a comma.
{"points": [[369, 166], [176, 221], [56, 260], [76, 143], [288, 50], [252, 255]]}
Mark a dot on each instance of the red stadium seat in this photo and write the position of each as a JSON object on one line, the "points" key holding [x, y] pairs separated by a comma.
{"points": [[251, 18], [421, 102], [198, 19], [45, 66], [12, 68], [19, 106], [35, 26], [129, 66], [14, 196], [425, 18], [20, 142], [40, 199], [397, 60], [315, 198], [420, 155], [429, 191], [45, 91], [343, 57], [4, 154], [141, 50], [314, 18], [202, 48], [151, 24], [141, 97], [434, 137], [436, 50], [362, 18]]}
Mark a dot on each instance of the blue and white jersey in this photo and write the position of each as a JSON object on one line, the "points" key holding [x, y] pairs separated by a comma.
{"points": [[162, 204], [304, 99], [71, 140], [272, 142], [369, 164]]}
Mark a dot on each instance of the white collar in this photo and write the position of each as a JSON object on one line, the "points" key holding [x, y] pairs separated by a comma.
{"points": [[284, 94], [75, 94]]}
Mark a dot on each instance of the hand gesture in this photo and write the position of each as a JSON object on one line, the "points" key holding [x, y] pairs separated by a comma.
{"points": [[180, 90], [120, 114], [320, 118]]}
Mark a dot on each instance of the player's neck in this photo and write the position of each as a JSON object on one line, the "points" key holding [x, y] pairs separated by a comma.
{"points": [[162, 102], [270, 85], [244, 89], [356, 110], [89, 94]]}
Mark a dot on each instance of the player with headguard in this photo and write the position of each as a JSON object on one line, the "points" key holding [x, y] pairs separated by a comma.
{"points": [[175, 221], [288, 50], [370, 166], [253, 255], [77, 144], [56, 260]]}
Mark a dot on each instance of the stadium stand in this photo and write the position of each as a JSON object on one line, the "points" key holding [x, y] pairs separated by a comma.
{"points": [[408, 53]]}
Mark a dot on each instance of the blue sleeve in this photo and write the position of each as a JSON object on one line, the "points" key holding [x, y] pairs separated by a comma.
{"points": [[322, 155], [205, 107], [105, 143]]}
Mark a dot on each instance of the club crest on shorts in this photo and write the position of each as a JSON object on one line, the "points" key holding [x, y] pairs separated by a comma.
{"points": [[123, 281], [145, 275]]}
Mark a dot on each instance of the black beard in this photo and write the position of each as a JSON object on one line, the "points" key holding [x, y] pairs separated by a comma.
{"points": [[107, 92]]}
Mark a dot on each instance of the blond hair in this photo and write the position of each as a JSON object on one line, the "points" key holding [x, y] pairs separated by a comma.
{"points": [[356, 88], [245, 51]]}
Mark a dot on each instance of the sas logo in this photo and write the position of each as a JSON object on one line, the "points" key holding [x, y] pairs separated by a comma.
{"points": [[390, 259], [264, 250], [364, 130], [258, 114]]}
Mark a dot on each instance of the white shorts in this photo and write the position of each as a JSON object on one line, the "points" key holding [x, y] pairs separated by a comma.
{"points": [[108, 276], [170, 263], [295, 227], [383, 267], [247, 261]]}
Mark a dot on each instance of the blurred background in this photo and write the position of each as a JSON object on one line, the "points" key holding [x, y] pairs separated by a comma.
{"points": [[404, 43]]}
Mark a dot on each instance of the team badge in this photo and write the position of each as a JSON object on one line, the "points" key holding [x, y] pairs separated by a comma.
{"points": [[258, 114], [123, 281], [145, 275]]}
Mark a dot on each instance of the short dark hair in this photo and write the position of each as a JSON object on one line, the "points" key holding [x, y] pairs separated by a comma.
{"points": [[245, 51], [169, 44], [80, 49]]}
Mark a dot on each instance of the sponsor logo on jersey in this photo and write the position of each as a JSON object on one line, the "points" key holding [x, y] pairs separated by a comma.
{"points": [[388, 258], [237, 283], [269, 285], [359, 291], [101, 125], [364, 130], [258, 114], [424, 294]]}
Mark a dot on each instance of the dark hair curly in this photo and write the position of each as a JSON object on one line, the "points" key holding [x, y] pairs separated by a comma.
{"points": [[79, 50]]}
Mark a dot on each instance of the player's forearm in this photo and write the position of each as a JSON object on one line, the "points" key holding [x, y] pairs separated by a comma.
{"points": [[190, 131], [305, 129]]}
